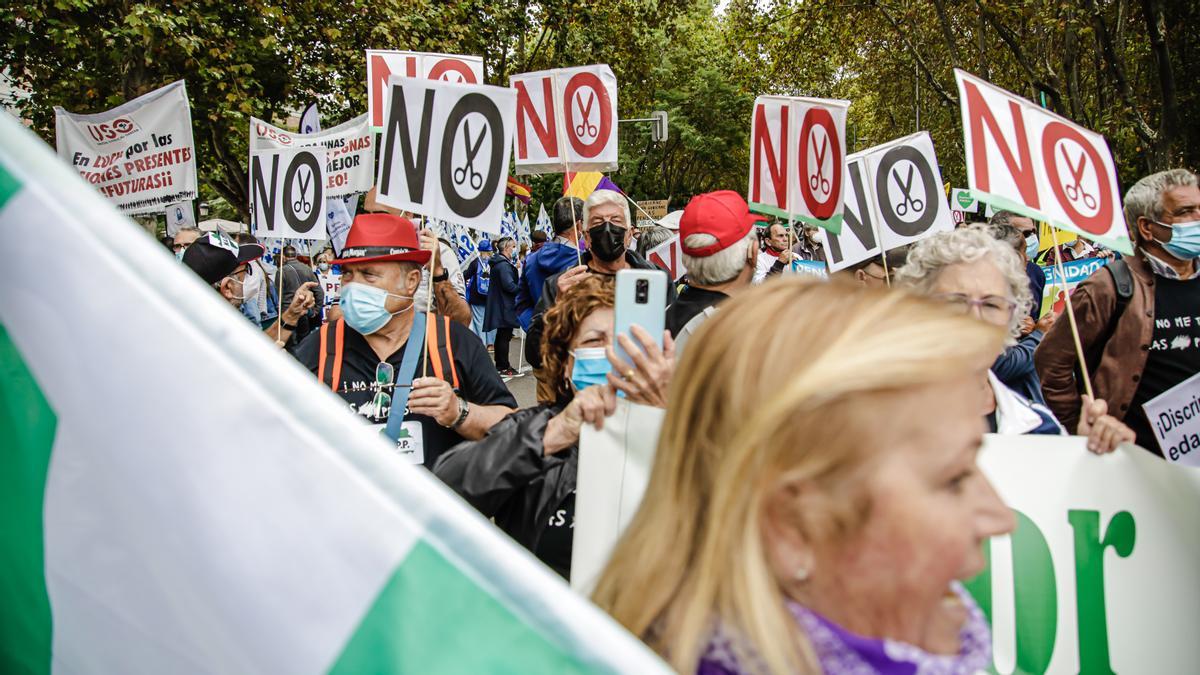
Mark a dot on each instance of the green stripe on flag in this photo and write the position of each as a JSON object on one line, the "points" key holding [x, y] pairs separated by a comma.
{"points": [[8, 186], [431, 618], [27, 425]]}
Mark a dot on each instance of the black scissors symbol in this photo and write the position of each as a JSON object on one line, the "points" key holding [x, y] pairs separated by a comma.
{"points": [[461, 173], [1075, 192], [303, 205], [909, 202], [585, 127], [819, 178]]}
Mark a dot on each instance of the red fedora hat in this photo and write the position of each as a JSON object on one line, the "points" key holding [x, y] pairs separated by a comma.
{"points": [[382, 237]]}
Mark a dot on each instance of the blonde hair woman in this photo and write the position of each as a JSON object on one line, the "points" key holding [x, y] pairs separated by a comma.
{"points": [[811, 510]]}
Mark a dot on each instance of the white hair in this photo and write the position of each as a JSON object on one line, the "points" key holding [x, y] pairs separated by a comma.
{"points": [[605, 197], [968, 245], [721, 266], [1144, 199]]}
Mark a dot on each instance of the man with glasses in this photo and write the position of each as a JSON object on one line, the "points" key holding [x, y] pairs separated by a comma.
{"points": [[183, 239], [423, 380], [1139, 317]]}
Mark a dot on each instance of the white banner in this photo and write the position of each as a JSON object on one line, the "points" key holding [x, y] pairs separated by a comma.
{"points": [[669, 256], [350, 152], [287, 193], [566, 116], [1175, 419], [140, 155], [445, 151], [384, 63], [894, 196], [1026, 159]]}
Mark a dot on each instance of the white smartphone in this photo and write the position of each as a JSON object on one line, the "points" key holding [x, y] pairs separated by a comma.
{"points": [[642, 301]]}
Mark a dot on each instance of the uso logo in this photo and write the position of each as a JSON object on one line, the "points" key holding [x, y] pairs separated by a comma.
{"points": [[112, 130], [272, 134]]}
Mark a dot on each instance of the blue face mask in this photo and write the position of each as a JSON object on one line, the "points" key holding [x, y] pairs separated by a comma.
{"points": [[591, 367], [179, 254], [1031, 246], [1185, 240], [365, 307]]}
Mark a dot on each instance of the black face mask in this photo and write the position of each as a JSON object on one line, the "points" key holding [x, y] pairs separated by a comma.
{"points": [[607, 241]]}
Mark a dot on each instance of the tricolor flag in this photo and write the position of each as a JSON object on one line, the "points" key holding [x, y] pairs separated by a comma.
{"points": [[515, 188], [177, 495]]}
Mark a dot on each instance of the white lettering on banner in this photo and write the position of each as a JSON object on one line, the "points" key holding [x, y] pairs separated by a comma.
{"points": [[445, 151], [1027, 159], [140, 155], [669, 256], [895, 192], [384, 63], [350, 166], [1175, 419], [1102, 542], [287, 193], [567, 109], [798, 159]]}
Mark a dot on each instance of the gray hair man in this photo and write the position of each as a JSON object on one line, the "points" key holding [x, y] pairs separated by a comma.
{"points": [[1137, 318]]}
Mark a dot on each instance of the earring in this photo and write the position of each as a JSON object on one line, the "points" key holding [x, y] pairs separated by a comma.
{"points": [[801, 574]]}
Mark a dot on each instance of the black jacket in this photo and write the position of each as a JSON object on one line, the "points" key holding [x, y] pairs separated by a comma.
{"points": [[533, 338], [501, 309], [507, 476]]}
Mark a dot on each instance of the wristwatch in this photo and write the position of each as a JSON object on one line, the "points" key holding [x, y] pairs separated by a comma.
{"points": [[443, 276], [286, 325], [464, 409]]}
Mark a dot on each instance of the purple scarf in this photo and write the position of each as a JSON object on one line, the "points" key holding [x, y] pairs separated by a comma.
{"points": [[841, 652]]}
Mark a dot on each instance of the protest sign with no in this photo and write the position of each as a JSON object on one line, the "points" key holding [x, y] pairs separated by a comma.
{"points": [[798, 159], [669, 256], [384, 63], [287, 193], [894, 197], [1027, 159], [350, 152], [566, 116], [445, 151], [140, 154]]}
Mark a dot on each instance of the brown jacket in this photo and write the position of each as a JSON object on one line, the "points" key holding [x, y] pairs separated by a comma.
{"points": [[1120, 370]]}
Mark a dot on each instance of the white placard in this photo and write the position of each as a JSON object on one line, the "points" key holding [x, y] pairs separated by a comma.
{"points": [[1026, 159], [569, 112], [350, 152], [179, 216], [287, 193], [140, 155], [384, 63], [445, 151], [1175, 419], [669, 255]]}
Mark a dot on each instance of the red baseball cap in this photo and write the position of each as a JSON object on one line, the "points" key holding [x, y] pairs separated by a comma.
{"points": [[382, 237], [722, 214]]}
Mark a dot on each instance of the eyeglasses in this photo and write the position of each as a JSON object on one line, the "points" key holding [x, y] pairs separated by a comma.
{"points": [[991, 308], [385, 376]]}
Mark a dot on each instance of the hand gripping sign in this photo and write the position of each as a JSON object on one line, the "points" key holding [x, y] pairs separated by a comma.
{"points": [[894, 197], [350, 157], [383, 63], [445, 151], [1026, 159], [798, 159], [287, 193], [566, 117]]}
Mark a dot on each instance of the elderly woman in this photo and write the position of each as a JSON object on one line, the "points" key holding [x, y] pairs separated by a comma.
{"points": [[522, 473], [976, 274], [814, 510]]}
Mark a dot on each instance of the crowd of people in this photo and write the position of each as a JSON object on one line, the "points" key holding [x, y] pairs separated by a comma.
{"points": [[814, 500]]}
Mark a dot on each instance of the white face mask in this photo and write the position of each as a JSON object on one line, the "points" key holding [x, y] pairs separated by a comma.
{"points": [[252, 284]]}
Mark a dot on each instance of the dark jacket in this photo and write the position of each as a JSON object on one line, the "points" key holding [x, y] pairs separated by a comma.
{"points": [[691, 301], [545, 262], [507, 476], [533, 338], [501, 309], [1115, 379], [294, 275], [1037, 286], [1016, 370]]}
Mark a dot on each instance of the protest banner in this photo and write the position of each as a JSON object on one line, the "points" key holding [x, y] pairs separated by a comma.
{"points": [[331, 285], [272, 533], [798, 159], [384, 63], [287, 193], [350, 152], [140, 155], [445, 151], [1058, 287], [310, 119], [179, 216], [1175, 420], [669, 256], [893, 198], [1102, 542], [809, 268], [1026, 159], [566, 120]]}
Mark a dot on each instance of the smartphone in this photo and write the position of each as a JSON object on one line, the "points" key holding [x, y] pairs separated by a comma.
{"points": [[642, 301]]}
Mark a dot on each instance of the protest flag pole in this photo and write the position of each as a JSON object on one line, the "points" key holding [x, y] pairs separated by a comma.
{"points": [[279, 296], [437, 245], [1083, 367], [568, 178]]}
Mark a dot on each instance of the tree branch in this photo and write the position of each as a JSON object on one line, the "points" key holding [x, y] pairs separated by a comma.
{"points": [[1113, 63], [929, 77]]}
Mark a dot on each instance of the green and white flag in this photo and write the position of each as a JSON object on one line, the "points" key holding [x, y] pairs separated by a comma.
{"points": [[178, 496]]}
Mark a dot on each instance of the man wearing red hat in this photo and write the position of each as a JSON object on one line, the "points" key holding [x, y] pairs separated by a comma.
{"points": [[378, 354], [716, 234]]}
